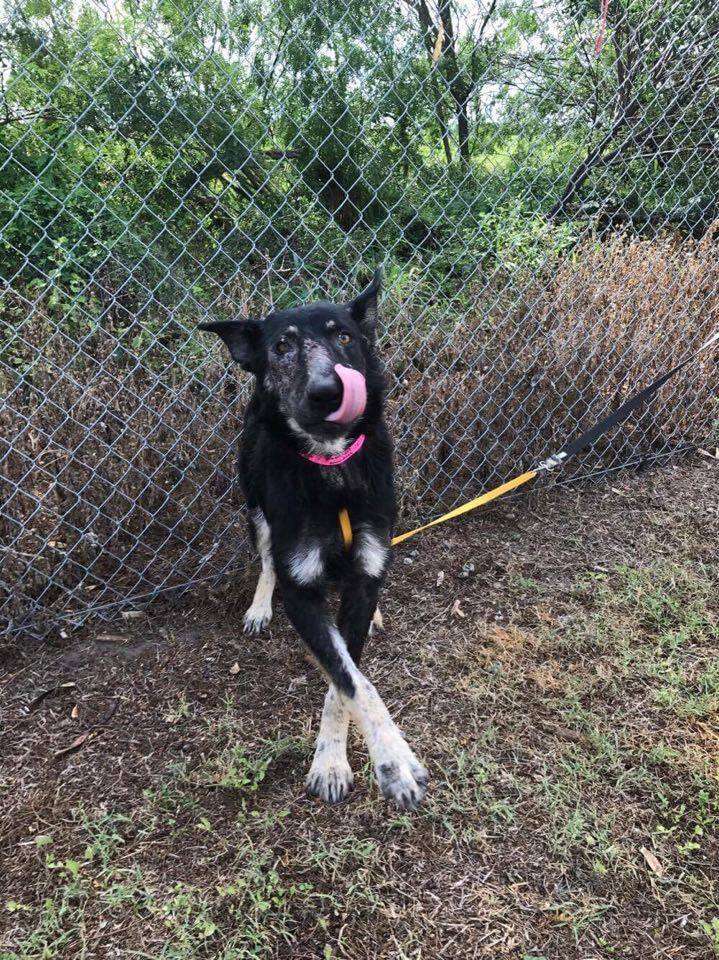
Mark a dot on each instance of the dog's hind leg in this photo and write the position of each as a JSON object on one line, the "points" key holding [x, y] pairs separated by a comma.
{"points": [[259, 613]]}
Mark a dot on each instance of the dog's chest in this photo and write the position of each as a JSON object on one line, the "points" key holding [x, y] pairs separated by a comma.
{"points": [[335, 479]]}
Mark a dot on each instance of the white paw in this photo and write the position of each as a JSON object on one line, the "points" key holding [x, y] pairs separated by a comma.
{"points": [[401, 777], [257, 618], [330, 780], [377, 623]]}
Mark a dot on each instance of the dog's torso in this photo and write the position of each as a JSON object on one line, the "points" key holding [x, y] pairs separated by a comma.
{"points": [[301, 500]]}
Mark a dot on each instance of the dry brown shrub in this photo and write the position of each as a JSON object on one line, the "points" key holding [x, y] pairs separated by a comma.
{"points": [[114, 469], [538, 360], [116, 466]]}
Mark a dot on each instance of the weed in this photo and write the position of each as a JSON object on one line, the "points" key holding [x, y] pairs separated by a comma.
{"points": [[236, 768], [711, 929]]}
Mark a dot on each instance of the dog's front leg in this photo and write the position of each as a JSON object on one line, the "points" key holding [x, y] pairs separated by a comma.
{"points": [[395, 764], [330, 775], [358, 606], [401, 776], [259, 613]]}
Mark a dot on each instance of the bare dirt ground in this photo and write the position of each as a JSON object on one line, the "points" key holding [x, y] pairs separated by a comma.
{"points": [[554, 663]]}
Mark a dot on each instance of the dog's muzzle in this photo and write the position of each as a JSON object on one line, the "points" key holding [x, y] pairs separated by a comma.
{"points": [[354, 395]]}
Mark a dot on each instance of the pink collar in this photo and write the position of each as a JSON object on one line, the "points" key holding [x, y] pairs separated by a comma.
{"points": [[335, 461]]}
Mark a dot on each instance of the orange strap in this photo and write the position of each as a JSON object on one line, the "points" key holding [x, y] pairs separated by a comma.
{"points": [[345, 527]]}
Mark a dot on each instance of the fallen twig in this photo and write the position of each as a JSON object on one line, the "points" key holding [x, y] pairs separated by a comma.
{"points": [[50, 692], [83, 738]]}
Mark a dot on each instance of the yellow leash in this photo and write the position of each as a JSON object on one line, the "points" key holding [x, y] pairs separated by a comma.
{"points": [[472, 505], [346, 526], [584, 440]]}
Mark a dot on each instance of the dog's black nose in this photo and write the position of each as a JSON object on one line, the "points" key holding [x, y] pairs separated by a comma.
{"points": [[325, 395]]}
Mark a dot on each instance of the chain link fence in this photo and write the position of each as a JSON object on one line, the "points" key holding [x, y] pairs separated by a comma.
{"points": [[543, 212]]}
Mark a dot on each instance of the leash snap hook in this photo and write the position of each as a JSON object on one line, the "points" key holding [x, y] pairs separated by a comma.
{"points": [[556, 460]]}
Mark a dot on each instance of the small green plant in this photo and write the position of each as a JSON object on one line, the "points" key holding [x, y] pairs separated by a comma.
{"points": [[238, 768], [711, 929]]}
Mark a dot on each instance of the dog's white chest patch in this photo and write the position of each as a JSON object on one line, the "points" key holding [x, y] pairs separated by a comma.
{"points": [[372, 553], [326, 448], [306, 563]]}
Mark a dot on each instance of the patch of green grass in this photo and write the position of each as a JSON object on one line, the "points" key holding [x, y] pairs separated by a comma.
{"points": [[169, 802], [105, 834], [661, 624], [711, 929], [478, 797], [244, 916], [580, 913], [51, 930], [527, 584], [666, 603], [690, 693], [688, 819], [348, 858], [341, 853], [179, 709], [240, 918], [238, 767], [575, 825]]}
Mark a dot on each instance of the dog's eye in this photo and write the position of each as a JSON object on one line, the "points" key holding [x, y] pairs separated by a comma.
{"points": [[283, 346], [343, 338]]}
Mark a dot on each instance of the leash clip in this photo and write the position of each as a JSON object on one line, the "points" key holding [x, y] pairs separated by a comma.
{"points": [[556, 460]]}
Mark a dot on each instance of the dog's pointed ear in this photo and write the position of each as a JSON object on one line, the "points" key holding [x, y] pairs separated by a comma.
{"points": [[241, 337], [364, 307]]}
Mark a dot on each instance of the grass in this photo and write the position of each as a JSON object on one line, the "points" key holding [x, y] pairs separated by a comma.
{"points": [[569, 720], [100, 885]]}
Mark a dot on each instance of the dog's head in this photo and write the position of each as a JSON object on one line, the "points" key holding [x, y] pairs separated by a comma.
{"points": [[316, 364]]}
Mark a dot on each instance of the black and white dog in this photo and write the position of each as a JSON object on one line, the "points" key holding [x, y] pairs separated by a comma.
{"points": [[314, 445]]}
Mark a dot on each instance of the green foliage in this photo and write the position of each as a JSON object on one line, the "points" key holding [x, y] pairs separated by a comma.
{"points": [[155, 153]]}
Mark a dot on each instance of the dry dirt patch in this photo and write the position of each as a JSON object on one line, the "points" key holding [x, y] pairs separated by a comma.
{"points": [[553, 662]]}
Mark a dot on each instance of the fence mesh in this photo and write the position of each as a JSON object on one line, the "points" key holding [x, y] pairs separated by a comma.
{"points": [[544, 215]]}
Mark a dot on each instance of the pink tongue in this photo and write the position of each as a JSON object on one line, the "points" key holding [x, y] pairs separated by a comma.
{"points": [[354, 395]]}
